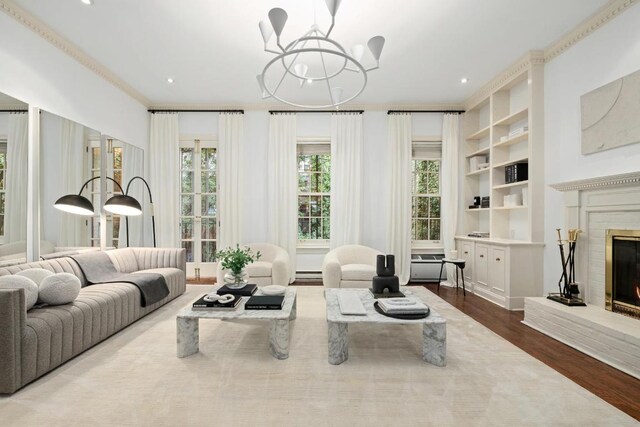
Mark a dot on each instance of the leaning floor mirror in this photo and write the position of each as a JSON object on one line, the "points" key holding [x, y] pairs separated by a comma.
{"points": [[14, 125]]}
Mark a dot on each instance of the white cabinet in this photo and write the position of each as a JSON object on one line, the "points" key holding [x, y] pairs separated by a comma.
{"points": [[465, 251], [482, 276], [497, 258], [503, 272]]}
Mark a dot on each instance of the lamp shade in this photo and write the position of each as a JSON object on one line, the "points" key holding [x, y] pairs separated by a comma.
{"points": [[123, 205], [75, 204], [333, 6], [278, 18], [266, 30], [375, 46]]}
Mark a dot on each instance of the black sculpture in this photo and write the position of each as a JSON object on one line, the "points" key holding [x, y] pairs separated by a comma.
{"points": [[386, 280]]}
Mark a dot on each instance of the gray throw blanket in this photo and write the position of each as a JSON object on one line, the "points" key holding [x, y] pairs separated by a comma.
{"points": [[98, 268]]}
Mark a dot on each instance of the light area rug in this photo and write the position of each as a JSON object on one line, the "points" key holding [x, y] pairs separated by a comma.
{"points": [[135, 379]]}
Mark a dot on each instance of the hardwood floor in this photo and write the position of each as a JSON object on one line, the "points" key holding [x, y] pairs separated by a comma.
{"points": [[613, 386]]}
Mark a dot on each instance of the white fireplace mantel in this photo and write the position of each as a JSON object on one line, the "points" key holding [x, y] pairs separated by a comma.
{"points": [[594, 205], [620, 180]]}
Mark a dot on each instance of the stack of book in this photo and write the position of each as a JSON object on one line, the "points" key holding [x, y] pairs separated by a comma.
{"points": [[245, 291], [518, 131], [516, 172], [201, 304], [402, 306], [483, 234]]}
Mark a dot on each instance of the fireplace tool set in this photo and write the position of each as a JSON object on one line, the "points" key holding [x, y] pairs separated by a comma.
{"points": [[567, 286]]}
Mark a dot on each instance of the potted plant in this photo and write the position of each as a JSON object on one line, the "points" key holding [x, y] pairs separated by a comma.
{"points": [[234, 261]]}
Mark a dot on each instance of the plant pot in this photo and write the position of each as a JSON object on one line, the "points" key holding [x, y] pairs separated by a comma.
{"points": [[236, 280]]}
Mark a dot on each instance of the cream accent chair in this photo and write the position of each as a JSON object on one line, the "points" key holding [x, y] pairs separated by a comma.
{"points": [[273, 267], [349, 266]]}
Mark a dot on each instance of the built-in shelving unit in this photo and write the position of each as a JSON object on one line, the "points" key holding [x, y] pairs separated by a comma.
{"points": [[504, 127]]}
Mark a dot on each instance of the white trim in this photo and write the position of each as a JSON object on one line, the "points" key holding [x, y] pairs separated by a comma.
{"points": [[47, 33], [620, 180], [601, 17]]}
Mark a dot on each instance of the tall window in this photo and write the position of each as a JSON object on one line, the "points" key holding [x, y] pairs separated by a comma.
{"points": [[314, 187], [198, 208], [3, 174], [114, 170], [425, 209]]}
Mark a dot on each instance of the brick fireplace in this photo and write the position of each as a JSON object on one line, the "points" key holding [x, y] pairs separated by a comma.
{"points": [[607, 209]]}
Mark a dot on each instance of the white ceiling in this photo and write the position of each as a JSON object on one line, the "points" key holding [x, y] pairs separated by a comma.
{"points": [[213, 48]]}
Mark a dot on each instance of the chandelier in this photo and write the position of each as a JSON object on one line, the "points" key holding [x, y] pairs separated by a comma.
{"points": [[314, 60]]}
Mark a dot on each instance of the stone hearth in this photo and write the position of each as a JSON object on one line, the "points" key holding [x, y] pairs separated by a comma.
{"points": [[594, 205]]}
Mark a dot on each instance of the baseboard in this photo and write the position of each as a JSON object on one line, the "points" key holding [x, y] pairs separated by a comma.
{"points": [[312, 275]]}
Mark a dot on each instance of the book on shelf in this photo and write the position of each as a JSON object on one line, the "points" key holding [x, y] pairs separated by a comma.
{"points": [[265, 302], [482, 234], [245, 291], [201, 304]]}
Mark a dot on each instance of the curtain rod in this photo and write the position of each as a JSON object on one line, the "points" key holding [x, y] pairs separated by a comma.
{"points": [[426, 111], [14, 111], [196, 111], [315, 111]]}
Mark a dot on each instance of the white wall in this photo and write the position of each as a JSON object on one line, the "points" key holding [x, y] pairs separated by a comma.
{"points": [[376, 169], [608, 54], [36, 72]]}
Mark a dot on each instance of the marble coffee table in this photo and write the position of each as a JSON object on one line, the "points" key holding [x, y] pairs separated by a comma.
{"points": [[434, 327], [188, 324]]}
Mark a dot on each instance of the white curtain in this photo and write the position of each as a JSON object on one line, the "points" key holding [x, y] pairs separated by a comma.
{"points": [[230, 146], [164, 178], [347, 145], [399, 204], [132, 166], [15, 219], [71, 227], [282, 185], [449, 186]]}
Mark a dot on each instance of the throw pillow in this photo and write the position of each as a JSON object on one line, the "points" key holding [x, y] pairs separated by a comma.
{"points": [[58, 289], [35, 274], [29, 286]]}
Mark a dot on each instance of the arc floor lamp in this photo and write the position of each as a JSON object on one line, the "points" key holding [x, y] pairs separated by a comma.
{"points": [[120, 204]]}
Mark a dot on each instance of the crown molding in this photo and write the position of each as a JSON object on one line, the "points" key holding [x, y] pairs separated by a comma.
{"points": [[277, 106], [609, 11], [47, 33], [522, 65], [599, 183], [603, 16]]}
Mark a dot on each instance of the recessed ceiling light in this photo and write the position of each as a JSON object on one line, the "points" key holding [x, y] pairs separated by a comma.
{"points": [[169, 80], [464, 80], [87, 2]]}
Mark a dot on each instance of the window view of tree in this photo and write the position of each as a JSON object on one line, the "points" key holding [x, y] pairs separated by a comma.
{"points": [[198, 203], [425, 209], [314, 187]]}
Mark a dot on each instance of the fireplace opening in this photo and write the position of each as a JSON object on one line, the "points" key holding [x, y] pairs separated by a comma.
{"points": [[623, 272]]}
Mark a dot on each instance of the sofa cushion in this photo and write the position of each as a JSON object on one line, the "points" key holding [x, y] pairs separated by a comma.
{"points": [[358, 272], [259, 269], [58, 289], [35, 274], [19, 282]]}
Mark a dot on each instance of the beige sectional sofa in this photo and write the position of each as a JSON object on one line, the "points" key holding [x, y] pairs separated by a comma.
{"points": [[35, 342]]}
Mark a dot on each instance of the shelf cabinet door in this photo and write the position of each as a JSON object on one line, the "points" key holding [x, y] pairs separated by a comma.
{"points": [[497, 261], [481, 264], [465, 251]]}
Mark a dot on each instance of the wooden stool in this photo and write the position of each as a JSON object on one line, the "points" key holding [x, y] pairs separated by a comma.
{"points": [[459, 263]]}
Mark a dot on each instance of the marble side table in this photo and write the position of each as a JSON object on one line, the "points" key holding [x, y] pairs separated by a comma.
{"points": [[187, 322], [434, 327]]}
